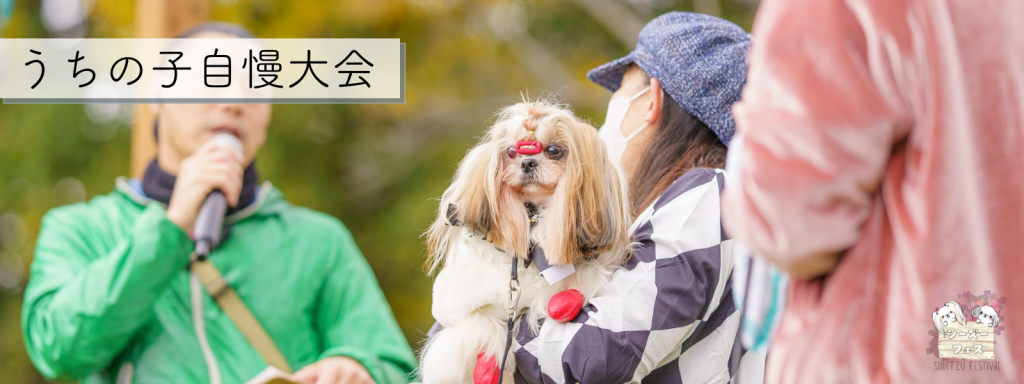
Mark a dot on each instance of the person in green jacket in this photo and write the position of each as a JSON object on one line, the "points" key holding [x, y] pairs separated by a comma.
{"points": [[110, 298]]}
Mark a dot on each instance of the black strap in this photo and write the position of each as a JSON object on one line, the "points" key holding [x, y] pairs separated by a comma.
{"points": [[508, 345], [510, 322]]}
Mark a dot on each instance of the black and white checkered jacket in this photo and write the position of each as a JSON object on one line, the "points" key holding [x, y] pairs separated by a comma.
{"points": [[667, 317]]}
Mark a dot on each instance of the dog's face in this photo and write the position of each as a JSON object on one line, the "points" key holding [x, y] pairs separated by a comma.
{"points": [[947, 316], [986, 315], [536, 154], [952, 313], [539, 153], [950, 316]]}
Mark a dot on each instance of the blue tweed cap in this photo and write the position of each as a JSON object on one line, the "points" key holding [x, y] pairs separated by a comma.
{"points": [[699, 60]]}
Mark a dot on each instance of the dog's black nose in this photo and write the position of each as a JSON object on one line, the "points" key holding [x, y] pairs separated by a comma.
{"points": [[528, 165]]}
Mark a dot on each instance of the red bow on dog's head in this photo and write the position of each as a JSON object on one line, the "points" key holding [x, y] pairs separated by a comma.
{"points": [[528, 147]]}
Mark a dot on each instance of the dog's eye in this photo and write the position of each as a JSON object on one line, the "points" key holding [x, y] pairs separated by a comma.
{"points": [[512, 152], [553, 152]]}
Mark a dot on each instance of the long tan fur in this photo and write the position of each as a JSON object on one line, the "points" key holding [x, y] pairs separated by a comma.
{"points": [[587, 214]]}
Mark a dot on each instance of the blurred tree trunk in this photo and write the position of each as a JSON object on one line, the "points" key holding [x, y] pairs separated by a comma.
{"points": [[157, 19]]}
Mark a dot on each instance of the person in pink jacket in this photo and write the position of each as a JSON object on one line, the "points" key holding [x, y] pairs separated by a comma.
{"points": [[881, 164]]}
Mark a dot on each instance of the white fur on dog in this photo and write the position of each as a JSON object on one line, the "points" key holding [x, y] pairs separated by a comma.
{"points": [[947, 314], [986, 315], [470, 299]]}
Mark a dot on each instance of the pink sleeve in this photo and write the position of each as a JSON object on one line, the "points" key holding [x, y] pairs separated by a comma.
{"points": [[818, 121]]}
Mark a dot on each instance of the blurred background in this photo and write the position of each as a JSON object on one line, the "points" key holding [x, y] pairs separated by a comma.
{"points": [[376, 167]]}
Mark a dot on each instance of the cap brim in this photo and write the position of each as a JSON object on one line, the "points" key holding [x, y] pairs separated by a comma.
{"points": [[609, 75]]}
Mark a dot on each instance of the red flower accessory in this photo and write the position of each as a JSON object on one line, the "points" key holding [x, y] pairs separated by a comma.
{"points": [[565, 305], [486, 370]]}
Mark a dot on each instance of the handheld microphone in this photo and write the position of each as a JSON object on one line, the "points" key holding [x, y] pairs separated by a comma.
{"points": [[211, 214]]}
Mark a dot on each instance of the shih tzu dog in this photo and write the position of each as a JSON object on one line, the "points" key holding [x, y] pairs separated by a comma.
{"points": [[987, 315], [946, 315], [538, 190]]}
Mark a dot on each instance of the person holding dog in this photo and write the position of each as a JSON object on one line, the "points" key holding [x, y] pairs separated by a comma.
{"points": [[668, 314]]}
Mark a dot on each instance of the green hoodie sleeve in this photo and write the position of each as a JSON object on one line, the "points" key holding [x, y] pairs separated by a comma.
{"points": [[90, 291], [355, 320]]}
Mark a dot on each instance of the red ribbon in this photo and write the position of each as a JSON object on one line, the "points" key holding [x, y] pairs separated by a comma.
{"points": [[528, 147]]}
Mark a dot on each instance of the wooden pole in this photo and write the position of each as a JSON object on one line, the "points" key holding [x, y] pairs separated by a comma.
{"points": [[158, 19]]}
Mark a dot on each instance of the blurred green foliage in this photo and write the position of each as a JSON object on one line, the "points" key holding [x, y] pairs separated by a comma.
{"points": [[376, 167]]}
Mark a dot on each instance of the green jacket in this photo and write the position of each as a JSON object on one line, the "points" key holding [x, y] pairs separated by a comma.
{"points": [[109, 294]]}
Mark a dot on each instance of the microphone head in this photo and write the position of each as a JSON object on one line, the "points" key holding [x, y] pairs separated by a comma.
{"points": [[230, 141]]}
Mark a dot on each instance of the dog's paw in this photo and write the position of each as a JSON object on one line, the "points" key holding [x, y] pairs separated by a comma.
{"points": [[565, 305], [486, 371]]}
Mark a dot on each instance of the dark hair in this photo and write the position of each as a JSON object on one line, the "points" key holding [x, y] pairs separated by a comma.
{"points": [[681, 142]]}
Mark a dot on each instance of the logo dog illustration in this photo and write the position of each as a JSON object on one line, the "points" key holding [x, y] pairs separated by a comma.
{"points": [[948, 314], [967, 329], [985, 314]]}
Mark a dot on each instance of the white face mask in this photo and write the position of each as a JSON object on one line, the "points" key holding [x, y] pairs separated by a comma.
{"points": [[611, 131]]}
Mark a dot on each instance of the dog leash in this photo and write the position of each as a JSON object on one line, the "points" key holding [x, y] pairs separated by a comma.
{"points": [[513, 303], [513, 293]]}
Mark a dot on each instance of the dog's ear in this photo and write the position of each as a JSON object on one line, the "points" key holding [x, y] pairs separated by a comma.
{"points": [[995, 321], [590, 211], [479, 200], [476, 188], [958, 312], [976, 312], [937, 320], [476, 184], [464, 203]]}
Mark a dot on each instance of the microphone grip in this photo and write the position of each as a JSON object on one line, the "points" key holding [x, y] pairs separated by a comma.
{"points": [[208, 223]]}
